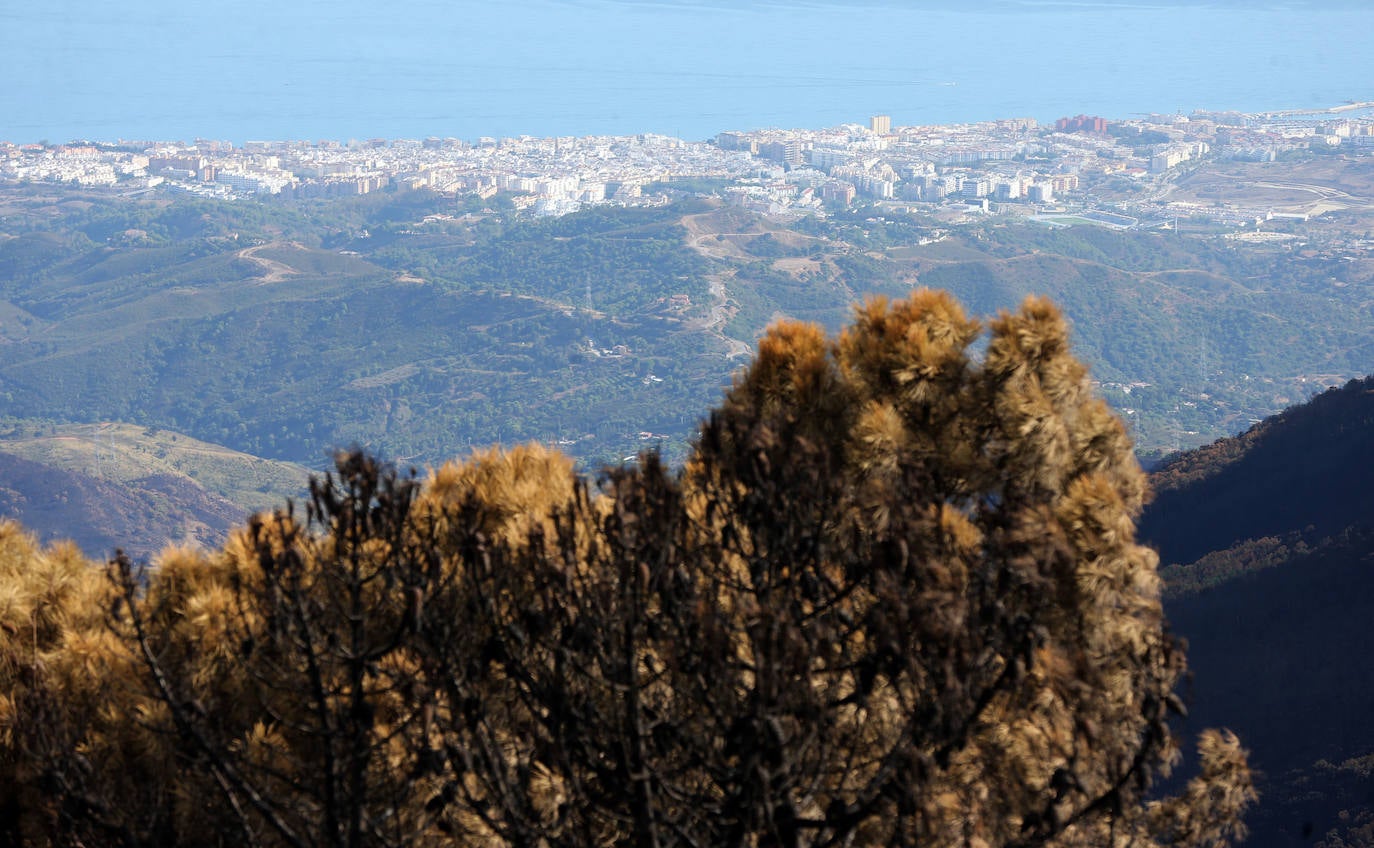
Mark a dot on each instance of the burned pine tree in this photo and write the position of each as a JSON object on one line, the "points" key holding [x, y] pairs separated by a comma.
{"points": [[893, 598]]}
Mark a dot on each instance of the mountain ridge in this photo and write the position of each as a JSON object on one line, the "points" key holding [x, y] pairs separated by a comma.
{"points": [[109, 485], [1268, 545], [1288, 474]]}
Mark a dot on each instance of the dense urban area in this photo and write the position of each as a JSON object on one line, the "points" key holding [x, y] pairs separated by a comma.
{"points": [[1113, 173]]}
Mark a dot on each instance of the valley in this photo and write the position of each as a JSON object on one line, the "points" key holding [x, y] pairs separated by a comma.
{"points": [[169, 367], [410, 324]]}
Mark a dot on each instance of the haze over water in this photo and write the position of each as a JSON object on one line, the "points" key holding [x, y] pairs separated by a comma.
{"points": [[311, 69]]}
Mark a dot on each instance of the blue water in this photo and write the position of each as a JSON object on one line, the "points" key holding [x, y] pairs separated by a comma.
{"points": [[310, 69]]}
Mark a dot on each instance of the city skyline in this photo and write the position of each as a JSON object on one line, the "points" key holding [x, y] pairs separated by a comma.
{"points": [[1012, 165]]}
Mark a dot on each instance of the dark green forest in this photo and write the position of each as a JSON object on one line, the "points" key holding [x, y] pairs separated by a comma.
{"points": [[1267, 541]]}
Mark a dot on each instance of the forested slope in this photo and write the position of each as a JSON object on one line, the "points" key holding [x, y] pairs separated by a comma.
{"points": [[1304, 471], [1271, 536], [254, 335], [419, 325], [1283, 658]]}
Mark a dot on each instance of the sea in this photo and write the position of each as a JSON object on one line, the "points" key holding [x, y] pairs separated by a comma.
{"points": [[346, 69]]}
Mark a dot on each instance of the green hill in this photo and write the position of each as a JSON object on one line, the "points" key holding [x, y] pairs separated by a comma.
{"points": [[414, 326]]}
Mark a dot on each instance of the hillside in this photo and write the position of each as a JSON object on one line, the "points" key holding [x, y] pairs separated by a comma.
{"points": [[1300, 472], [1282, 658], [108, 486], [1271, 539], [255, 335], [100, 516], [419, 325]]}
